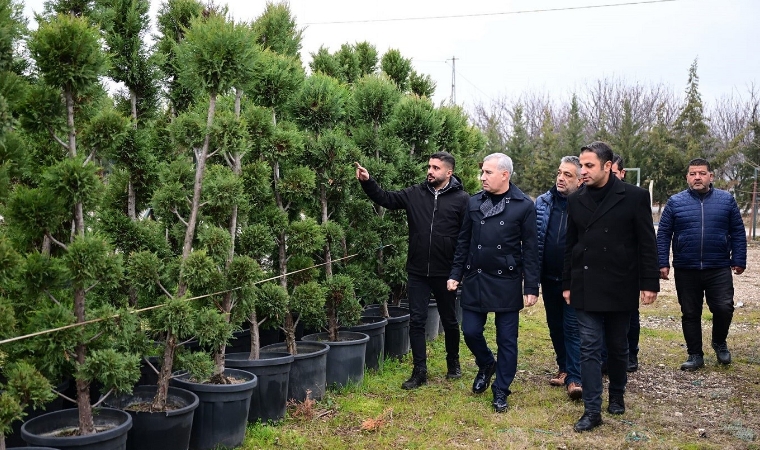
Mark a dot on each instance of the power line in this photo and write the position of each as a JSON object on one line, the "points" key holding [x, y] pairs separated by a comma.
{"points": [[506, 13]]}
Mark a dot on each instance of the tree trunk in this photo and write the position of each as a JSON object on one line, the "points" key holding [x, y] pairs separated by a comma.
{"points": [[164, 375], [200, 170], [290, 333], [69, 96], [255, 336], [131, 200]]}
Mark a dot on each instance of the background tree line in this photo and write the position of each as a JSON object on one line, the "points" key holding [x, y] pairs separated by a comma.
{"points": [[650, 125]]}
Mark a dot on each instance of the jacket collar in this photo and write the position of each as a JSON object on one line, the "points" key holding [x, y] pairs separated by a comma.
{"points": [[455, 184], [614, 196]]}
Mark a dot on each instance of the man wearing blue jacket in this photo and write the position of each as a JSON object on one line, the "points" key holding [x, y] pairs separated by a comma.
{"points": [[709, 241], [551, 221]]}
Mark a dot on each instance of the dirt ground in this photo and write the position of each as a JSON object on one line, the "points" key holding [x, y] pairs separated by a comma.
{"points": [[719, 404]]}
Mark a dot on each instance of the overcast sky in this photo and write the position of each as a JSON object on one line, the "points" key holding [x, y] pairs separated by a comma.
{"points": [[504, 48]]}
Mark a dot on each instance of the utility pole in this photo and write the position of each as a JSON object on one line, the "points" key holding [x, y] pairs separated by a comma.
{"points": [[453, 79]]}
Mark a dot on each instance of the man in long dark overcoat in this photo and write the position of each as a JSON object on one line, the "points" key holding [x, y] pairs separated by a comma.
{"points": [[496, 255], [610, 262]]}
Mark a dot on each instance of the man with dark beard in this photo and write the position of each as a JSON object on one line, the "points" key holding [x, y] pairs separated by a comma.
{"points": [[434, 211]]}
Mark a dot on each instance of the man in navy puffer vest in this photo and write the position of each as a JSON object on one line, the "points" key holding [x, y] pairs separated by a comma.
{"points": [[706, 229]]}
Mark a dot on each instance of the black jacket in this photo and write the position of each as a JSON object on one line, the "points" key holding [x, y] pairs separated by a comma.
{"points": [[611, 253], [497, 256], [434, 221]]}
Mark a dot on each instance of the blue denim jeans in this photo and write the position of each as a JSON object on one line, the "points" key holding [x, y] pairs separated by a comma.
{"points": [[717, 287], [563, 330], [595, 328], [507, 324], [419, 289]]}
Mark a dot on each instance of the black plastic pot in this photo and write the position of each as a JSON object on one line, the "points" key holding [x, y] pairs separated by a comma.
{"points": [[222, 413], [38, 431], [396, 332], [168, 430], [374, 327], [433, 324], [345, 360], [14, 438], [308, 371], [31, 448], [270, 397], [240, 342]]}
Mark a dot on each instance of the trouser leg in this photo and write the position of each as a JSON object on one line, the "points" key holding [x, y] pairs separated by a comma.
{"points": [[418, 291], [446, 302], [690, 291], [591, 330]]}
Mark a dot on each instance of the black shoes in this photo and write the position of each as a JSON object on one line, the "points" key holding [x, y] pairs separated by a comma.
{"points": [[499, 400], [588, 422], [633, 363], [454, 371], [721, 351], [418, 378], [693, 363], [483, 378], [616, 405]]}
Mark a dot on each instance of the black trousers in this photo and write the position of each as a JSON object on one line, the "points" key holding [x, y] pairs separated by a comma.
{"points": [[419, 289], [717, 287]]}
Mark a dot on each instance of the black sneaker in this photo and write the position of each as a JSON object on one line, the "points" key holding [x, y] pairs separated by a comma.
{"points": [[454, 370], [693, 363], [418, 378], [588, 422], [721, 351]]}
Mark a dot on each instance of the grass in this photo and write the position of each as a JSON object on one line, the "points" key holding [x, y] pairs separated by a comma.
{"points": [[714, 408]]}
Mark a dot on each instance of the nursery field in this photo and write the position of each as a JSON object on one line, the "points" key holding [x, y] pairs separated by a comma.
{"points": [[713, 408]]}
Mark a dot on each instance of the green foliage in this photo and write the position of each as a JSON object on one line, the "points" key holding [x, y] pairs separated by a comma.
{"points": [[320, 104], [201, 273], [341, 299], [397, 68], [216, 243], [416, 123], [177, 316], [212, 328], [74, 182], [305, 236], [89, 260], [372, 100], [25, 386], [308, 300], [367, 55], [256, 241], [271, 303], [421, 85], [276, 30], [115, 370], [12, 29], [325, 63], [276, 78], [68, 53], [216, 54], [107, 132]]}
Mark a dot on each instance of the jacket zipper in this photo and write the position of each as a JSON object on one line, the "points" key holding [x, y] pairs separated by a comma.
{"points": [[430, 238], [702, 238]]}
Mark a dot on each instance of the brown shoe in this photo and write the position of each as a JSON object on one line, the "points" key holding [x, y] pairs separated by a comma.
{"points": [[574, 391], [559, 379]]}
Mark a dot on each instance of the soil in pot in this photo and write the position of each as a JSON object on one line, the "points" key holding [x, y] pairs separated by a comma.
{"points": [[159, 430], [113, 426], [222, 413]]}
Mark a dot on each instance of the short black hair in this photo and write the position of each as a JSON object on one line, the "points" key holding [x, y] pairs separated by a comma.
{"points": [[699, 162], [617, 160], [445, 157], [600, 149]]}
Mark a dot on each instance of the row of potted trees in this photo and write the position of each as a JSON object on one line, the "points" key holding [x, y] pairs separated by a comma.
{"points": [[147, 224]]}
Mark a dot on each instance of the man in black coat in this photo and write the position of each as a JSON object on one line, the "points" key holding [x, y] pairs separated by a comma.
{"points": [[497, 263], [610, 262], [434, 211]]}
